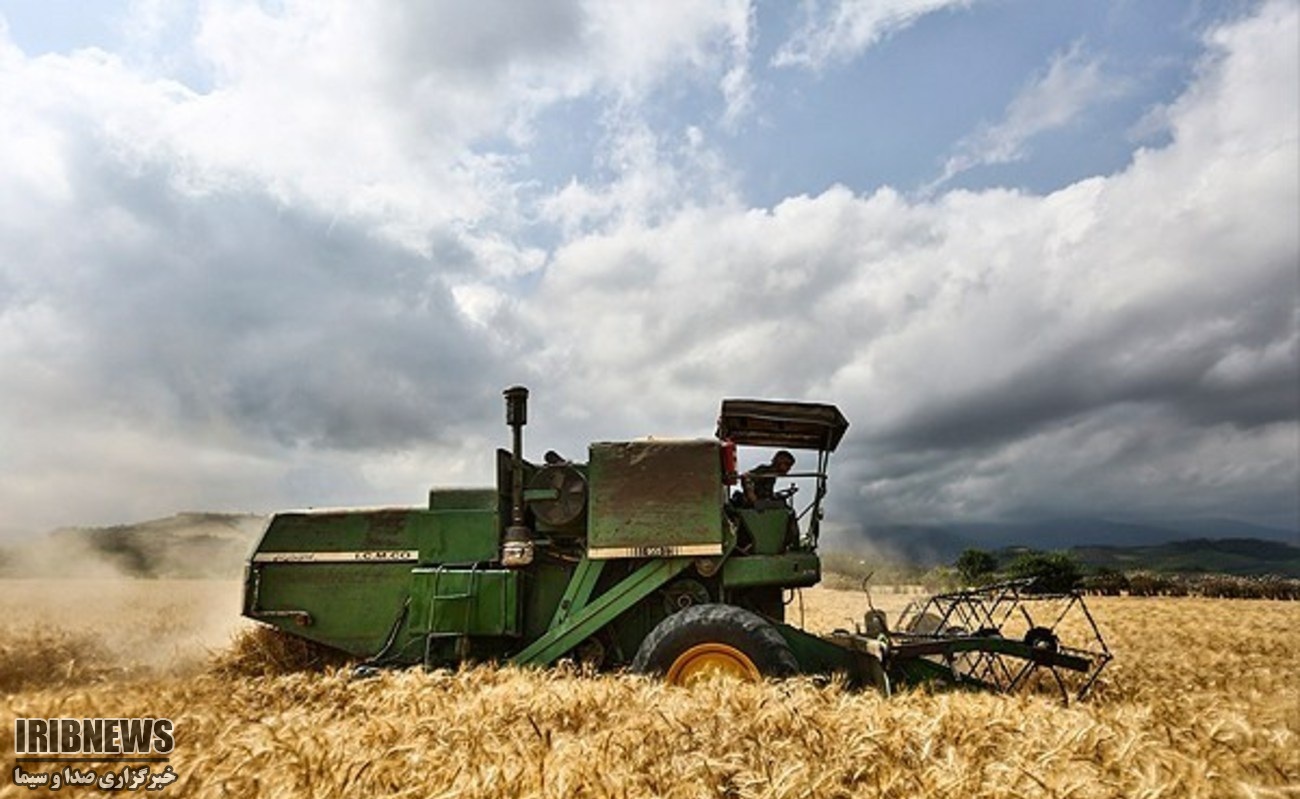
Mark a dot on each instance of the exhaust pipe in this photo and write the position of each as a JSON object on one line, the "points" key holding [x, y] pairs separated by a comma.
{"points": [[517, 546]]}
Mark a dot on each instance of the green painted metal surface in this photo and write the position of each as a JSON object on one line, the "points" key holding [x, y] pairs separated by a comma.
{"points": [[579, 590], [338, 531], [457, 536], [911, 672], [464, 601], [996, 644], [387, 534], [769, 528], [344, 605], [463, 499], [819, 656], [655, 499], [600, 611], [341, 577], [542, 587], [790, 570]]}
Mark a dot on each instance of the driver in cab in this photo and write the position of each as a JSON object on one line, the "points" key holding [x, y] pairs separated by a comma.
{"points": [[759, 483]]}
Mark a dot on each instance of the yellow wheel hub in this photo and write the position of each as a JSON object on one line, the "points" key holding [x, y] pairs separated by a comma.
{"points": [[703, 660]]}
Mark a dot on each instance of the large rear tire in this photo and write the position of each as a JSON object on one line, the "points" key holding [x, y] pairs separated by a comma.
{"points": [[714, 639]]}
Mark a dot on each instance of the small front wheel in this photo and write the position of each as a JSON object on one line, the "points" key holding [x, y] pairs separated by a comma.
{"points": [[704, 640]]}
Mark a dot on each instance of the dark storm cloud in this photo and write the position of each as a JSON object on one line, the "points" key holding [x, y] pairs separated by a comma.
{"points": [[229, 309], [1096, 374]]}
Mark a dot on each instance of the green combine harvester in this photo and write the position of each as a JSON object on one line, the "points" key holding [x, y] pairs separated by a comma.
{"points": [[648, 556]]}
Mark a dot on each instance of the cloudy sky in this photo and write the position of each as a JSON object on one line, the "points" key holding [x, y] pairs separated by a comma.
{"points": [[1044, 254]]}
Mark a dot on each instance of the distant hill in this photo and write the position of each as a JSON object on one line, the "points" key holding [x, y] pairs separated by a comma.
{"points": [[183, 545], [931, 545], [1237, 556], [1056, 534], [926, 547]]}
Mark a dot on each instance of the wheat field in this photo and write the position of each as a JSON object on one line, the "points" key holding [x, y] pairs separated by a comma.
{"points": [[1201, 701]]}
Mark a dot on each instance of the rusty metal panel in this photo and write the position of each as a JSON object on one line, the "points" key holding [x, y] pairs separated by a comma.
{"points": [[655, 498], [769, 423]]}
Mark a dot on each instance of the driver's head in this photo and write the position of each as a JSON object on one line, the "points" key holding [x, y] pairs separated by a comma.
{"points": [[783, 461]]}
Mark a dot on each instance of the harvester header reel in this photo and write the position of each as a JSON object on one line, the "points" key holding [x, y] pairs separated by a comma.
{"points": [[1001, 637]]}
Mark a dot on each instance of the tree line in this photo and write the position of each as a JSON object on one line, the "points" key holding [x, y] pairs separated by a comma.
{"points": [[1057, 572]]}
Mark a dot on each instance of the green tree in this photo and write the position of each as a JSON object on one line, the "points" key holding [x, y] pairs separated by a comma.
{"points": [[1053, 572], [976, 566]]}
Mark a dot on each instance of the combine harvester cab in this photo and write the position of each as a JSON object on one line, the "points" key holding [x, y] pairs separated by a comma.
{"points": [[645, 556]]}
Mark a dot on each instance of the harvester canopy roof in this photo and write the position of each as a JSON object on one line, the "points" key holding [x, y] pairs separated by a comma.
{"points": [[792, 425]]}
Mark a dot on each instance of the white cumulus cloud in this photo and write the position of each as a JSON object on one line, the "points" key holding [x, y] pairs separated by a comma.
{"points": [[840, 30]]}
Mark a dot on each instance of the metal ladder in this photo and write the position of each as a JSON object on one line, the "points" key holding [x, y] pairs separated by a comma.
{"points": [[439, 603]]}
